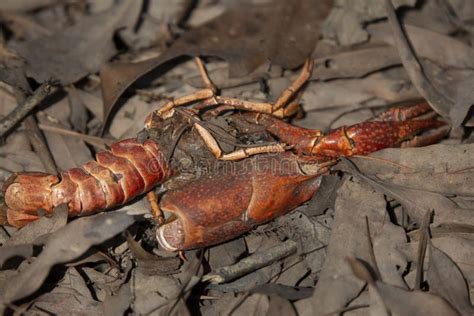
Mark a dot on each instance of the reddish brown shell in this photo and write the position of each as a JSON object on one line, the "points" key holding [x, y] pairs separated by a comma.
{"points": [[129, 169], [223, 205]]}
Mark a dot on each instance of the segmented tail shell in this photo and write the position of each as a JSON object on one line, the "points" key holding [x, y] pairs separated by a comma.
{"points": [[129, 169]]}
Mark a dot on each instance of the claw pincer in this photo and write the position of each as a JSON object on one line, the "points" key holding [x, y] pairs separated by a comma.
{"points": [[228, 203], [389, 129], [222, 206]]}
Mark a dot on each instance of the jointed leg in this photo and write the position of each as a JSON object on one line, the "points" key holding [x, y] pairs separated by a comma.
{"points": [[214, 147], [259, 107], [204, 75], [166, 110], [155, 208], [226, 103], [295, 86], [277, 109], [291, 109]]}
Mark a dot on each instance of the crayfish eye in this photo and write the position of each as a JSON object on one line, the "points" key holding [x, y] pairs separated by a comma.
{"points": [[171, 235]]}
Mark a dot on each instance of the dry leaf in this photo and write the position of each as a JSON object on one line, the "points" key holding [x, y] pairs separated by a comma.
{"points": [[403, 302], [45, 225], [447, 281], [150, 264], [64, 245], [68, 301], [346, 21], [337, 286], [280, 306], [430, 45], [79, 50], [24, 5], [258, 29]]}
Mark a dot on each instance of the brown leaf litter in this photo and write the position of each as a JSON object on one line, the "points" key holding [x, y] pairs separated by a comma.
{"points": [[387, 234]]}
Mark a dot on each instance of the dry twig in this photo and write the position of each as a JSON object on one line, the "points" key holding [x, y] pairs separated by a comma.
{"points": [[252, 263], [8, 122]]}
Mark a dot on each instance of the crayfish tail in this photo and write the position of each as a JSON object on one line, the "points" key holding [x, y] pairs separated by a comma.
{"points": [[16, 219], [129, 169], [3, 215]]}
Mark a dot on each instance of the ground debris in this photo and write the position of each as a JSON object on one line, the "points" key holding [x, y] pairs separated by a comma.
{"points": [[387, 234]]}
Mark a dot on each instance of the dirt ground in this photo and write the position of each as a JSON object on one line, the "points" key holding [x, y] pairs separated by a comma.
{"points": [[391, 233]]}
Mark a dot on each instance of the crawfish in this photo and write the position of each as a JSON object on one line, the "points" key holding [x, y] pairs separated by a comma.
{"points": [[266, 180]]}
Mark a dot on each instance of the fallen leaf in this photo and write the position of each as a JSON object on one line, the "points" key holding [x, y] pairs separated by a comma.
{"points": [[346, 21], [403, 302], [391, 86], [437, 98], [18, 161], [391, 263], [446, 280], [120, 302], [79, 116], [68, 152], [254, 304], [130, 118], [287, 292], [364, 272], [418, 202], [74, 280], [150, 264], [430, 45], [24, 5], [8, 252], [79, 50], [163, 294], [400, 301], [64, 245], [45, 225], [227, 253], [464, 102], [258, 29], [280, 306], [439, 158], [325, 197], [355, 63], [68, 301], [103, 283], [337, 285]]}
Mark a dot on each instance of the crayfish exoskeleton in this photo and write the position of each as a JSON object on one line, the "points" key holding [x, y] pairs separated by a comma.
{"points": [[268, 177]]}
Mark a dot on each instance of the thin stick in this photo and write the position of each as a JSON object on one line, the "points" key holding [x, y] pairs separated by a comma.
{"points": [[8, 122], [252, 263], [95, 141], [38, 142]]}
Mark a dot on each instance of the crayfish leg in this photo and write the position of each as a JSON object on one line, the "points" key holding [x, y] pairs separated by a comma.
{"points": [[155, 208]]}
